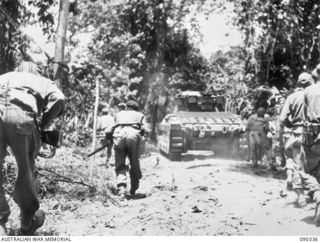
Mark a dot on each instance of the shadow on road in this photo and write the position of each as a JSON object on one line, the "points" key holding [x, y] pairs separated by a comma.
{"points": [[205, 156], [192, 157], [202, 165], [309, 219], [261, 171]]}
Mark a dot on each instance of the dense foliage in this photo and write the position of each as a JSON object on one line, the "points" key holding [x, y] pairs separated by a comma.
{"points": [[281, 39], [14, 16], [10, 39]]}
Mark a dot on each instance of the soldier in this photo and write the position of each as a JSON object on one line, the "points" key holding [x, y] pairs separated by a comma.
{"points": [[129, 128], [24, 96], [311, 143], [292, 117], [122, 106], [104, 125], [257, 129], [214, 105]]}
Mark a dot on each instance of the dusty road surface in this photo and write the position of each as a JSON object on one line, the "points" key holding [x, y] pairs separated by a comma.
{"points": [[200, 195]]}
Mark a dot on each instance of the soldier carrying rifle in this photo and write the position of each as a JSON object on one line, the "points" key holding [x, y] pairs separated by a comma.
{"points": [[292, 117], [129, 127], [104, 126], [311, 142]]}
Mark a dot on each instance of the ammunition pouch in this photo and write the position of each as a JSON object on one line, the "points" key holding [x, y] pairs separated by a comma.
{"points": [[310, 134], [53, 138], [109, 136]]}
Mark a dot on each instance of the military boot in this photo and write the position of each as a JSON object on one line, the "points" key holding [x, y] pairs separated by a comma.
{"points": [[134, 186], [35, 223]]}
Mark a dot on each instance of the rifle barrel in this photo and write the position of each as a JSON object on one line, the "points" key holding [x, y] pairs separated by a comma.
{"points": [[97, 150]]}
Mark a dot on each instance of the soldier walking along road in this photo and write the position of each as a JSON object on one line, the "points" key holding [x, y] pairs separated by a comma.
{"points": [[129, 128], [257, 129], [311, 142], [292, 117], [25, 96], [104, 126]]}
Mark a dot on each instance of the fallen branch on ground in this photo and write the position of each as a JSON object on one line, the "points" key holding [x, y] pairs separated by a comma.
{"points": [[64, 178], [69, 180]]}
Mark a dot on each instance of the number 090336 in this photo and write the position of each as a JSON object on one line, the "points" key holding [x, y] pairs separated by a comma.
{"points": [[309, 239]]}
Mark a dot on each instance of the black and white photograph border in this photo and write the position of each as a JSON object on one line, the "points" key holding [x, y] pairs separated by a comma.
{"points": [[161, 118]]}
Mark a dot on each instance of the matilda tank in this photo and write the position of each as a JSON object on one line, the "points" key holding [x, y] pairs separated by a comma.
{"points": [[200, 122]]}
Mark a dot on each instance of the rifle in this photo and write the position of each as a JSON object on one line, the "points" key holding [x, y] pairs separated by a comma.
{"points": [[106, 141], [98, 150]]}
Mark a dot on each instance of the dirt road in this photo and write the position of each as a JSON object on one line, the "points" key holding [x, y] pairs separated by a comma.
{"points": [[200, 195]]}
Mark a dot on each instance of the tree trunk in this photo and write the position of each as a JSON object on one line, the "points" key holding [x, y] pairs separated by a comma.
{"points": [[59, 73], [94, 130], [95, 114]]}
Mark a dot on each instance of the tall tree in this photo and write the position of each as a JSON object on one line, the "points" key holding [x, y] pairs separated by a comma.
{"points": [[59, 71]]}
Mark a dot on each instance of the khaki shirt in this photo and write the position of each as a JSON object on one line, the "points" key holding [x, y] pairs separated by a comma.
{"points": [[292, 110], [257, 124], [132, 118], [31, 93], [311, 112]]}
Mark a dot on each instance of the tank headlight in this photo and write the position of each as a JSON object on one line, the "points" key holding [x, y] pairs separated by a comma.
{"points": [[224, 130]]}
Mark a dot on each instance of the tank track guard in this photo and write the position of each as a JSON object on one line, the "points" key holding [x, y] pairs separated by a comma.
{"points": [[171, 140]]}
